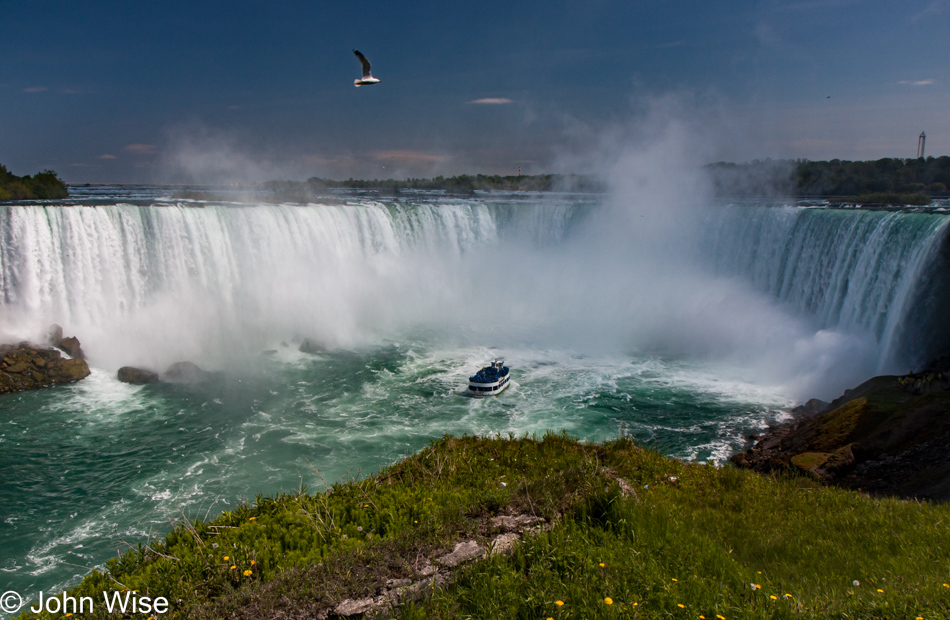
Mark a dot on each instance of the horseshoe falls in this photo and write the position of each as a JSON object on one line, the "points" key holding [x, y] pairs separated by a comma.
{"points": [[687, 336]]}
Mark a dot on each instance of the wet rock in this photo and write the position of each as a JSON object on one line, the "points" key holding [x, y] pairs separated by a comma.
{"points": [[312, 347], [137, 376], [54, 335], [186, 372], [72, 347], [28, 367]]}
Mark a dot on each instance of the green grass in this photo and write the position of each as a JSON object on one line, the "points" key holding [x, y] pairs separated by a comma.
{"points": [[699, 541]]}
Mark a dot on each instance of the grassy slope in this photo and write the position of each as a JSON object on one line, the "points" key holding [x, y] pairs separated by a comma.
{"points": [[681, 549]]}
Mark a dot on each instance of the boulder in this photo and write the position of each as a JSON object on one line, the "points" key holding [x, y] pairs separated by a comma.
{"points": [[137, 376], [72, 347], [55, 335], [186, 372], [28, 367], [311, 346]]}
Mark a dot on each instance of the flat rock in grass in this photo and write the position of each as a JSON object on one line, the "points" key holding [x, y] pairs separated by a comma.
{"points": [[463, 552], [518, 522], [354, 607], [504, 543]]}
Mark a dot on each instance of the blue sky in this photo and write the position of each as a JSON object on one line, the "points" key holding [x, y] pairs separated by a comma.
{"points": [[221, 91]]}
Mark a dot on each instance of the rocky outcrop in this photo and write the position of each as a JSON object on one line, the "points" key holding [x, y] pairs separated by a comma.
{"points": [[186, 372], [888, 436], [312, 347], [70, 345], [137, 376], [28, 367]]}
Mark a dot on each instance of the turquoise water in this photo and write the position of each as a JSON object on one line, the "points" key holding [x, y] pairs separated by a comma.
{"points": [[92, 466]]}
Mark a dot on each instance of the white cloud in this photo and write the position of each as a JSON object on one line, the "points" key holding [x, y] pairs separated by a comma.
{"points": [[141, 149], [918, 82], [492, 101]]}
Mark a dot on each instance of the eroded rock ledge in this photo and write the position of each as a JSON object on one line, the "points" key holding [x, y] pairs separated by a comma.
{"points": [[26, 366], [888, 436]]}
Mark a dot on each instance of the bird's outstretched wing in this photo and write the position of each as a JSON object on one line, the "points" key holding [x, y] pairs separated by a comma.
{"points": [[367, 73]]}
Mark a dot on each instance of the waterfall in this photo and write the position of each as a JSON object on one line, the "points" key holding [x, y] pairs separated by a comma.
{"points": [[171, 281], [872, 271], [216, 270]]}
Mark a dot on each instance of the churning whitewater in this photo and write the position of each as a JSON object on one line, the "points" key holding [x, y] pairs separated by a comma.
{"points": [[688, 343]]}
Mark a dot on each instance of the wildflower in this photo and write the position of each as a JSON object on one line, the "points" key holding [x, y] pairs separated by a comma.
{"points": [[253, 562], [702, 618], [720, 617], [253, 519], [759, 572], [226, 558], [248, 573], [946, 585], [359, 528], [609, 601], [855, 583], [602, 565], [789, 596], [415, 521], [880, 590], [681, 606], [365, 505], [773, 597], [233, 567], [559, 603], [675, 579]]}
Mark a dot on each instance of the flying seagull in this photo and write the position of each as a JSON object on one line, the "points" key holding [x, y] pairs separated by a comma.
{"points": [[367, 78]]}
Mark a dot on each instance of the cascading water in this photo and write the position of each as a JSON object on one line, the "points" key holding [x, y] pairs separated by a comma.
{"points": [[870, 271]]}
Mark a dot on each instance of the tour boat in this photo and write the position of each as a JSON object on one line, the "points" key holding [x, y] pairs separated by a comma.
{"points": [[490, 380]]}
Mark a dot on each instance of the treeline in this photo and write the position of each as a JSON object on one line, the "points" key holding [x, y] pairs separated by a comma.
{"points": [[928, 177], [461, 184], [41, 185]]}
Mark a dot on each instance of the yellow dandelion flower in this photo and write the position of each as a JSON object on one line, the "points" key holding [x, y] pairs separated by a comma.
{"points": [[233, 567], [253, 519], [226, 558], [635, 604], [365, 505], [920, 618], [676, 580], [415, 521], [248, 573], [946, 585], [68, 615], [702, 618], [550, 618], [773, 597], [602, 564], [559, 603], [609, 601], [758, 587], [789, 596], [720, 617], [681, 606], [880, 590], [253, 562]]}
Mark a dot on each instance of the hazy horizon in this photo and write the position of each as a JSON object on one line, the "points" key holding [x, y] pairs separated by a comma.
{"points": [[107, 92]]}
